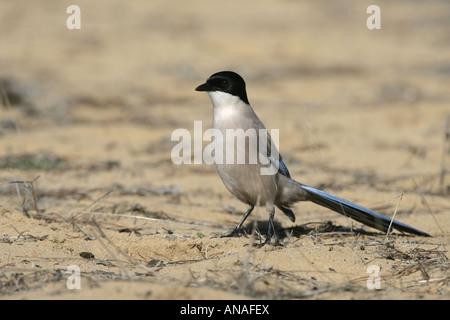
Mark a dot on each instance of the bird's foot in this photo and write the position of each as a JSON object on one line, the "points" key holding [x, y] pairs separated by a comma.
{"points": [[270, 240], [234, 234], [262, 244]]}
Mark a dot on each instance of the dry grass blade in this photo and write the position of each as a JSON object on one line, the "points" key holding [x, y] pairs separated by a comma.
{"points": [[29, 184], [445, 151], [428, 207], [393, 217]]}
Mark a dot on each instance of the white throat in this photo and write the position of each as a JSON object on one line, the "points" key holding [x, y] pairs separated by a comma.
{"points": [[222, 99], [228, 109]]}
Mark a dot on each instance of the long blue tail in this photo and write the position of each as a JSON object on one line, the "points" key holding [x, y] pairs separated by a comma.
{"points": [[368, 217]]}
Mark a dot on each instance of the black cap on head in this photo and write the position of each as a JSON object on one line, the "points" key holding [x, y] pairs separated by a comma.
{"points": [[226, 81]]}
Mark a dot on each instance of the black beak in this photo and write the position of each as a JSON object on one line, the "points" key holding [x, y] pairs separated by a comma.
{"points": [[204, 87]]}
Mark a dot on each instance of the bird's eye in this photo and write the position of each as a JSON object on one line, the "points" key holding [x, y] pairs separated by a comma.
{"points": [[224, 82]]}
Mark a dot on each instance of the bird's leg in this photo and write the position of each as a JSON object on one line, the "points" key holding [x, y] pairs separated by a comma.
{"points": [[239, 225]]}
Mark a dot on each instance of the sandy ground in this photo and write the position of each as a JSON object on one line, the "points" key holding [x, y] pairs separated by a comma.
{"points": [[87, 182]]}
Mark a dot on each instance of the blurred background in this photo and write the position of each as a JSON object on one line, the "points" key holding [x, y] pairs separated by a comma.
{"points": [[86, 118], [312, 68], [297, 52]]}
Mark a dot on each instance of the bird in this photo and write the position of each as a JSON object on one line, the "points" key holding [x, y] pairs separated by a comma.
{"points": [[232, 111]]}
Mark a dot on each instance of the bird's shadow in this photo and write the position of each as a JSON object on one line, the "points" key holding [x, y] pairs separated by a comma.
{"points": [[310, 228]]}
